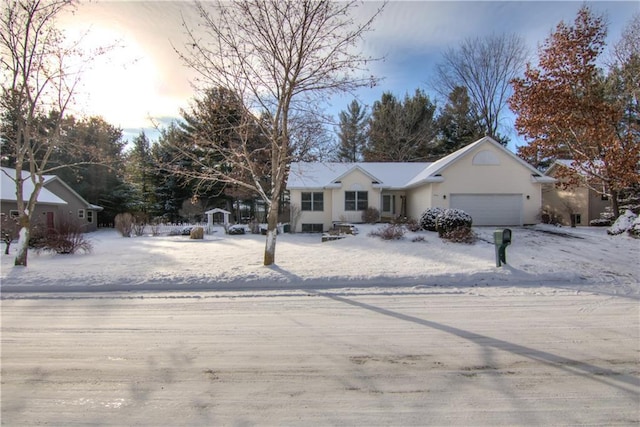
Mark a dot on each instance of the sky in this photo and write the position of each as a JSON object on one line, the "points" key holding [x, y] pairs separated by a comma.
{"points": [[142, 83]]}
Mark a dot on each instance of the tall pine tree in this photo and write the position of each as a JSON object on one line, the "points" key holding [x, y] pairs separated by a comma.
{"points": [[352, 133], [401, 131]]}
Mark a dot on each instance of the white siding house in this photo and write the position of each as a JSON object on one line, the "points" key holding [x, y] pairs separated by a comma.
{"points": [[485, 179]]}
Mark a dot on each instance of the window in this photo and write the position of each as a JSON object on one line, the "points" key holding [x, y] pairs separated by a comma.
{"points": [[356, 200], [312, 201], [312, 228], [89, 216], [14, 214], [81, 213]]}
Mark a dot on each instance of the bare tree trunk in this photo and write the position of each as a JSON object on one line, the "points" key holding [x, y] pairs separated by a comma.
{"points": [[272, 233], [23, 243], [614, 203]]}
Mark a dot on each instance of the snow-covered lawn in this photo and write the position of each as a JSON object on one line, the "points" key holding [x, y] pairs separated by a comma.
{"points": [[170, 331], [583, 258]]}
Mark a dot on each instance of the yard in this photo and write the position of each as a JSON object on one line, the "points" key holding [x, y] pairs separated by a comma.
{"points": [[171, 331]]}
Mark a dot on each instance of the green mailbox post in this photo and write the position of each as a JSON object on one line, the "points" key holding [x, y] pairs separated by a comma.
{"points": [[501, 239]]}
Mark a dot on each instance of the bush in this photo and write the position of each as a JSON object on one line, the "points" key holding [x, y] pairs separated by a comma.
{"points": [[451, 219], [623, 223], [428, 218], [409, 223], [66, 238], [389, 232], [124, 224], [460, 235], [371, 215], [600, 222], [9, 230]]}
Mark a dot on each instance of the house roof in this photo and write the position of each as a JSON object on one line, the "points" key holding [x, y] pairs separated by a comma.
{"points": [[571, 164], [46, 196], [52, 178], [329, 174], [8, 187], [391, 175]]}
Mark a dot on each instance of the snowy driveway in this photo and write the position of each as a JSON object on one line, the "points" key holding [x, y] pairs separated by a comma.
{"points": [[402, 356]]}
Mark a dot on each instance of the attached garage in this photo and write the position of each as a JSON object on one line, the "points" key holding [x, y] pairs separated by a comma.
{"points": [[490, 209]]}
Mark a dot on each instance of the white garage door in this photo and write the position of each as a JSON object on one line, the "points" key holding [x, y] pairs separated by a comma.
{"points": [[490, 209]]}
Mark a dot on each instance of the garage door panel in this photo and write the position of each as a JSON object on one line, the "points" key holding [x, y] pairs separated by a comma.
{"points": [[490, 209]]}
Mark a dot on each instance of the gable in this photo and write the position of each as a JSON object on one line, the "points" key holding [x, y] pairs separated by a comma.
{"points": [[484, 153], [322, 175], [8, 189]]}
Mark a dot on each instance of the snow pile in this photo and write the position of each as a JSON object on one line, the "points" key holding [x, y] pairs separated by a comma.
{"points": [[624, 223], [578, 258]]}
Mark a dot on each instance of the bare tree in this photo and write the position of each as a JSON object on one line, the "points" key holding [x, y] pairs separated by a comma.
{"points": [[281, 58], [40, 73], [485, 67]]}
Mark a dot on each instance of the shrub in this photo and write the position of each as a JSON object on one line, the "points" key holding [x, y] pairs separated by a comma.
{"points": [[66, 238], [124, 224], [389, 232], [371, 215], [418, 239], [197, 233], [550, 217], [623, 223], [428, 218], [460, 235], [409, 223], [451, 219], [9, 230], [155, 228]]}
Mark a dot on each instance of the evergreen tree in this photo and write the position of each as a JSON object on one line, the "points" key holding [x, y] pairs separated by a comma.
{"points": [[139, 174], [99, 184], [401, 131], [170, 189], [457, 124], [352, 133]]}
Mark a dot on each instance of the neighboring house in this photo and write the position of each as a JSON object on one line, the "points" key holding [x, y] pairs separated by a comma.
{"points": [[56, 202], [581, 203], [484, 179]]}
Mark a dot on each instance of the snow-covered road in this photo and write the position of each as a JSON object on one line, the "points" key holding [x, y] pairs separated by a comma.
{"points": [[401, 356]]}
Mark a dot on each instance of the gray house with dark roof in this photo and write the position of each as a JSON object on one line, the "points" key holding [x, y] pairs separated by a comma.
{"points": [[56, 202]]}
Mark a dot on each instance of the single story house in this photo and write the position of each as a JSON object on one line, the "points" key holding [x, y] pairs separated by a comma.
{"points": [[581, 203], [485, 179], [56, 201]]}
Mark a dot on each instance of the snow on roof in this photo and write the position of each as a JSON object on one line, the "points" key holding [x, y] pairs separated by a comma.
{"points": [[390, 175], [326, 174], [8, 187], [580, 169]]}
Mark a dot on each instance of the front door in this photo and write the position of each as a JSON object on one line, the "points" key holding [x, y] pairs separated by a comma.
{"points": [[50, 221]]}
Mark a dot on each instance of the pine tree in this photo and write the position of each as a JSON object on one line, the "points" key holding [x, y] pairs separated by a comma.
{"points": [[140, 174], [457, 124], [352, 133], [401, 131]]}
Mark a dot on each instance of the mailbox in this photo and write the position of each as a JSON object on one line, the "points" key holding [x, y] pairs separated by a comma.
{"points": [[502, 239]]}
